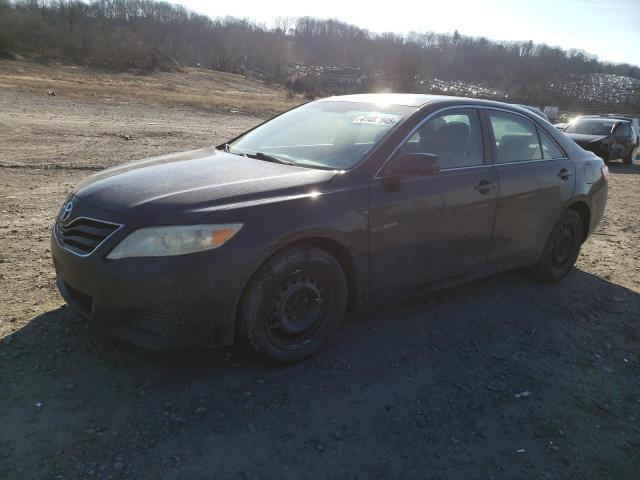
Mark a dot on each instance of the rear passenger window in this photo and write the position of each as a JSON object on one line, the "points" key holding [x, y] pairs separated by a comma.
{"points": [[453, 135], [549, 148], [623, 131], [516, 138]]}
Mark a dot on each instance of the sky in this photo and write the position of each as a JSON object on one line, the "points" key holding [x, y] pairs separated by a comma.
{"points": [[609, 29]]}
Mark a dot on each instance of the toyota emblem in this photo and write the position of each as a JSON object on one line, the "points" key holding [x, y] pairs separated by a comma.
{"points": [[65, 212]]}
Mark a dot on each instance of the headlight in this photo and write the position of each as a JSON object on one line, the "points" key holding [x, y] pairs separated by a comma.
{"points": [[173, 240]]}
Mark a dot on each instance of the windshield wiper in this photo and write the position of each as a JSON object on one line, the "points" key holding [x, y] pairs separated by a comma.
{"points": [[269, 158], [227, 148], [258, 155]]}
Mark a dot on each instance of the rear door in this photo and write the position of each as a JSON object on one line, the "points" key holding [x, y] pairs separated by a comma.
{"points": [[428, 228], [621, 141], [535, 180]]}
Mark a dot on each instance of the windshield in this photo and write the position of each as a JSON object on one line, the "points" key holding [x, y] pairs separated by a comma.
{"points": [[591, 127], [331, 135]]}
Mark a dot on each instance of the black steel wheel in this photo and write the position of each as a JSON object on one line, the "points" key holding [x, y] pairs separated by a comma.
{"points": [[561, 249], [293, 304]]}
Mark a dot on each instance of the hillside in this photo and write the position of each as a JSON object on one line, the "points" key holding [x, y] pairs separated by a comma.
{"points": [[148, 35], [188, 87]]}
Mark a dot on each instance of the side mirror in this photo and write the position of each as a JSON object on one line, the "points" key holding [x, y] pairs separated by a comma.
{"points": [[413, 165]]}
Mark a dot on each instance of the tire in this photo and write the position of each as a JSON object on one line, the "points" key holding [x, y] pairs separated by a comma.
{"points": [[629, 158], [292, 304], [561, 249]]}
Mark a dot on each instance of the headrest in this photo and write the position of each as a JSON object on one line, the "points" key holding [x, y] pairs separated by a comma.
{"points": [[513, 148], [455, 131]]}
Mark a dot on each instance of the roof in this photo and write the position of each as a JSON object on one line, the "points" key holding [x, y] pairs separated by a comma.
{"points": [[404, 99], [418, 100], [610, 116], [598, 119]]}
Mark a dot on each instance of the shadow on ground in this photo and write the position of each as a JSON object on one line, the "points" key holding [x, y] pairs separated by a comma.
{"points": [[499, 378], [625, 169]]}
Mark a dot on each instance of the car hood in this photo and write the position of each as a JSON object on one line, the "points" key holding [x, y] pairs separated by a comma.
{"points": [[195, 181], [583, 138]]}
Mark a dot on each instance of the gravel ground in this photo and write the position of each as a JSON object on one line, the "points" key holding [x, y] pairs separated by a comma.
{"points": [[500, 378]]}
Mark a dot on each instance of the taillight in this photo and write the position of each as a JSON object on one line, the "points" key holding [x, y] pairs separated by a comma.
{"points": [[605, 172]]}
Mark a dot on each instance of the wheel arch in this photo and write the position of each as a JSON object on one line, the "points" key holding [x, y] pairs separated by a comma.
{"points": [[585, 214], [581, 207], [342, 254], [333, 247]]}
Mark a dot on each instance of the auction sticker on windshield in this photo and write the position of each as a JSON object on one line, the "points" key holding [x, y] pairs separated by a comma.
{"points": [[375, 118]]}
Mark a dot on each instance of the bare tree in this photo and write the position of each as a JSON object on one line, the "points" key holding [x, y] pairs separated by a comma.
{"points": [[156, 34]]}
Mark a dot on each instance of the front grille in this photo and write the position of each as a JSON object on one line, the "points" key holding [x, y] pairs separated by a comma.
{"points": [[83, 235]]}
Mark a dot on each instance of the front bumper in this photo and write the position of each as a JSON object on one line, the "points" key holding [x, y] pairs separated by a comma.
{"points": [[186, 302]]}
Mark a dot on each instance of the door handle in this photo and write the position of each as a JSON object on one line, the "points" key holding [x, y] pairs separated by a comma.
{"points": [[485, 186], [565, 173]]}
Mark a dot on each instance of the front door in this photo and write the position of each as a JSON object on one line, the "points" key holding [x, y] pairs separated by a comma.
{"points": [[429, 228]]}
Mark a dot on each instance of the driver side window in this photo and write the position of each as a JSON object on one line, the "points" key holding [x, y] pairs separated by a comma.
{"points": [[453, 135]]}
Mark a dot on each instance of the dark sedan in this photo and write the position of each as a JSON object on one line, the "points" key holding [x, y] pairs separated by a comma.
{"points": [[609, 138], [268, 239]]}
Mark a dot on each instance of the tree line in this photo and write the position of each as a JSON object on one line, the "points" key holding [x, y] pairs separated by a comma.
{"points": [[147, 34]]}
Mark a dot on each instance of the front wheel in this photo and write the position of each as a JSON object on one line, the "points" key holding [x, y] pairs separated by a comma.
{"points": [[629, 158], [293, 303], [561, 249]]}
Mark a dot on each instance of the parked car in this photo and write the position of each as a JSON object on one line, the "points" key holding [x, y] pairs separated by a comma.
{"points": [[269, 238], [635, 124], [609, 138]]}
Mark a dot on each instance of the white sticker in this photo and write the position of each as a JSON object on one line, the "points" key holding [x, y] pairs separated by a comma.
{"points": [[375, 118]]}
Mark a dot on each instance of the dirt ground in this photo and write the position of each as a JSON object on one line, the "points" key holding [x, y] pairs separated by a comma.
{"points": [[502, 378]]}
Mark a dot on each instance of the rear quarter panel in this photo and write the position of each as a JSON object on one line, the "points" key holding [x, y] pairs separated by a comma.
{"points": [[591, 187]]}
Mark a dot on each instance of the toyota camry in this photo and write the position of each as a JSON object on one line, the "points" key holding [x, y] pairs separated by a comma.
{"points": [[270, 238]]}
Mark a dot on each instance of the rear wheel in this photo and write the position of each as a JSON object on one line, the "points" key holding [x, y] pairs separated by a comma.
{"points": [[561, 249], [629, 158], [293, 304]]}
